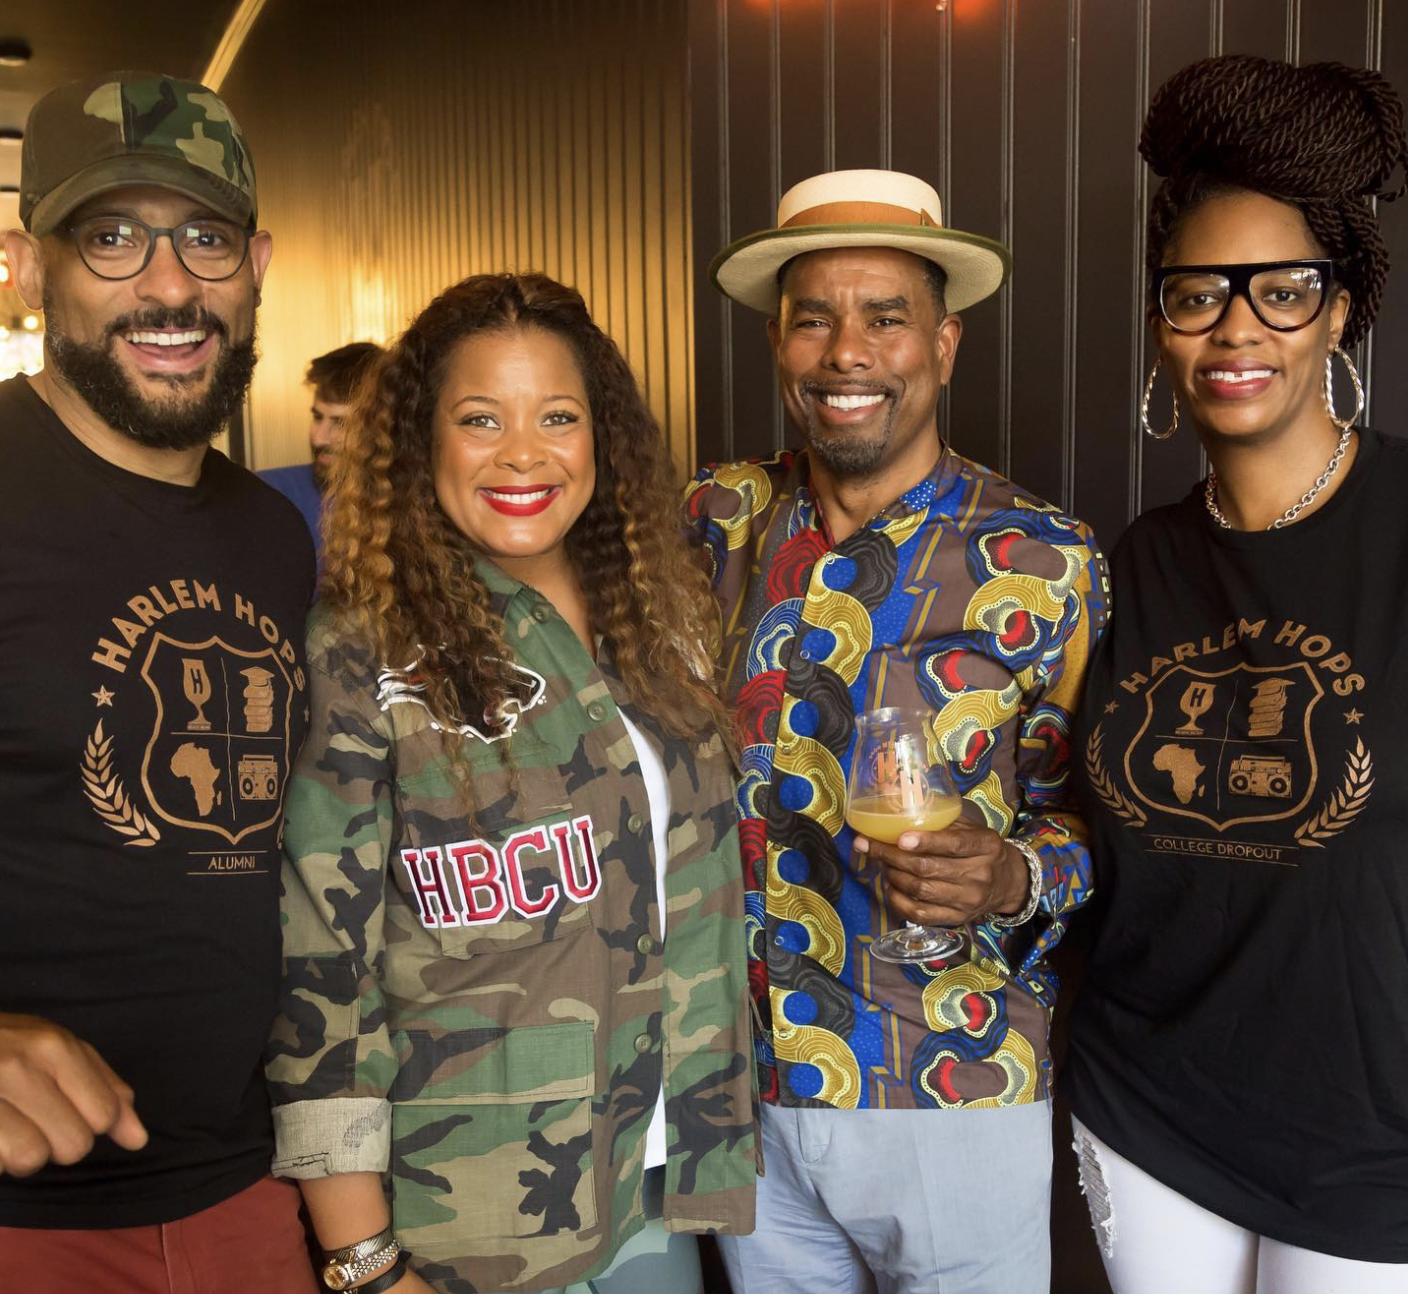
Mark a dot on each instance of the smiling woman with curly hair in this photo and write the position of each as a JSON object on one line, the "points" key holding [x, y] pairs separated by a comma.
{"points": [[513, 914], [404, 570]]}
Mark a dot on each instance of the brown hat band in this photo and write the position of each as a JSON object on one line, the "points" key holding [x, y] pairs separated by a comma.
{"points": [[861, 213]]}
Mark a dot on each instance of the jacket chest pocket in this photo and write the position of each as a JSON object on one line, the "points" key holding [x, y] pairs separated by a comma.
{"points": [[519, 875], [492, 1138]]}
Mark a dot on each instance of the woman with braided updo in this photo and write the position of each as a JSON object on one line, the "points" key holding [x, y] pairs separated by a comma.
{"points": [[1240, 1044], [513, 1042]]}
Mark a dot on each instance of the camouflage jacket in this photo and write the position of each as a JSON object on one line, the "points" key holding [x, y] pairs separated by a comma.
{"points": [[484, 1010]]}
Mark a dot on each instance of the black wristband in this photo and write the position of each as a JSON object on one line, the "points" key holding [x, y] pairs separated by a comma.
{"points": [[387, 1278]]}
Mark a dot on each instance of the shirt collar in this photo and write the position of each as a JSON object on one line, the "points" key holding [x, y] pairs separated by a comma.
{"points": [[918, 498], [500, 584]]}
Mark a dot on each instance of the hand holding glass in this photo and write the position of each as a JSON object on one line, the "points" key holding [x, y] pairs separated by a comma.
{"points": [[894, 788]]}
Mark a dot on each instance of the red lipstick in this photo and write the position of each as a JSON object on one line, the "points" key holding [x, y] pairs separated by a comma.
{"points": [[520, 500]]}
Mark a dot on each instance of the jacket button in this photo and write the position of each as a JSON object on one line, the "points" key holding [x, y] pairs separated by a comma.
{"points": [[644, 1042], [634, 823], [596, 712], [540, 614], [646, 945]]}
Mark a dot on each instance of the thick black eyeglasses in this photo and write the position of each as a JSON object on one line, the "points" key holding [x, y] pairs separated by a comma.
{"points": [[1284, 295], [121, 247]]}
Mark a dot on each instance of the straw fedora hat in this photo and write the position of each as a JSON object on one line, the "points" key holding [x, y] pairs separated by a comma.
{"points": [[859, 209]]}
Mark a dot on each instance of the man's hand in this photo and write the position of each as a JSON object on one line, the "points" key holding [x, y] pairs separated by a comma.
{"points": [[56, 1095], [950, 877]]}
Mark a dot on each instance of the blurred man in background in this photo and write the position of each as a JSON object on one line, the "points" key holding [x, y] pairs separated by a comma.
{"points": [[334, 378]]}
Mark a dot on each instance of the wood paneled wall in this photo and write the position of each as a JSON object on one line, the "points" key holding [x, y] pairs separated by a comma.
{"points": [[1025, 117], [400, 149]]}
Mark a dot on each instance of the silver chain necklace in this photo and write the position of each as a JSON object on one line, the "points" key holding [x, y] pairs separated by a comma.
{"points": [[1299, 506]]}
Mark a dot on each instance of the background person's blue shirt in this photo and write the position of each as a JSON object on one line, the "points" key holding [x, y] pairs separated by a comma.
{"points": [[297, 484]]}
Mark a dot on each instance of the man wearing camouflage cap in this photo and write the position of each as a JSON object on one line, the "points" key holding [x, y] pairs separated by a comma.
{"points": [[151, 700]]}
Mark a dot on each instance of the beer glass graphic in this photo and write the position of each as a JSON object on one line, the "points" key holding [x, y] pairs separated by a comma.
{"points": [[196, 683], [1196, 702]]}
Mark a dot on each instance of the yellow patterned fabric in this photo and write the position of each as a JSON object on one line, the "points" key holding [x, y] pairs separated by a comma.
{"points": [[965, 597]]}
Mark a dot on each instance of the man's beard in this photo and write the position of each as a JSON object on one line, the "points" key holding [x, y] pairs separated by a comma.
{"points": [[94, 372], [844, 455]]}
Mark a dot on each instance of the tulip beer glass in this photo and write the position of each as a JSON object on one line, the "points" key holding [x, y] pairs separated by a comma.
{"points": [[895, 787]]}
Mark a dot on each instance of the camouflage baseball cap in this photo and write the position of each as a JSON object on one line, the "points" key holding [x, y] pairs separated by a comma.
{"points": [[124, 128]]}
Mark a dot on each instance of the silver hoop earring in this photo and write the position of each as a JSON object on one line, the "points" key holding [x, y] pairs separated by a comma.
{"points": [[1344, 424], [1144, 409]]}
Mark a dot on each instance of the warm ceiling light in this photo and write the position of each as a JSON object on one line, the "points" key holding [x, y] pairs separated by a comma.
{"points": [[30, 323], [4, 272], [14, 52]]}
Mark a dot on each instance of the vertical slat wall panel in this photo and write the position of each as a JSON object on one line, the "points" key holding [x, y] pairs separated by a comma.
{"points": [[546, 134], [1179, 33], [709, 136], [980, 200], [1026, 117], [1264, 27], [1109, 307], [755, 116], [858, 67], [1042, 248]]}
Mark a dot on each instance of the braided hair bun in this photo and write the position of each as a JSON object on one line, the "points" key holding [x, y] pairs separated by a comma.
{"points": [[1325, 138]]}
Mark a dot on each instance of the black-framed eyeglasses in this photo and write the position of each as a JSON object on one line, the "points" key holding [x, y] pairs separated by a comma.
{"points": [[120, 247], [1284, 295]]}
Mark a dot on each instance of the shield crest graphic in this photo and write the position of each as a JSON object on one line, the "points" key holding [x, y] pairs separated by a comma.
{"points": [[1227, 747], [217, 758]]}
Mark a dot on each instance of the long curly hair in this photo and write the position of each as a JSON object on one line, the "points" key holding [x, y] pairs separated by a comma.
{"points": [[1325, 138], [402, 575]]}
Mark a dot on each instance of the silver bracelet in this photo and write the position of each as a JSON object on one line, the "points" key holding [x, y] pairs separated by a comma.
{"points": [[351, 1253], [339, 1275], [1034, 876]]}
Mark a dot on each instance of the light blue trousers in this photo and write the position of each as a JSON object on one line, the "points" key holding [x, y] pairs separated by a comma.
{"points": [[900, 1202]]}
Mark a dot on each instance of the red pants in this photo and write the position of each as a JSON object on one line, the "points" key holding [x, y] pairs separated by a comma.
{"points": [[252, 1241]]}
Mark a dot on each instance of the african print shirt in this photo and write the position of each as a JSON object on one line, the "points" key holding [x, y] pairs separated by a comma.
{"points": [[486, 1009], [966, 597]]}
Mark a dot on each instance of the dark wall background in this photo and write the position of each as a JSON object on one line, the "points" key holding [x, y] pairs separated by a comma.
{"points": [[1025, 117]]}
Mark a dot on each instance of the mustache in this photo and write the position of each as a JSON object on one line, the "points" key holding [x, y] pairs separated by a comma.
{"points": [[185, 318], [813, 388]]}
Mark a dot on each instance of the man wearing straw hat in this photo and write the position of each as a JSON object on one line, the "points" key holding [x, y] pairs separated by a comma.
{"points": [[906, 1125]]}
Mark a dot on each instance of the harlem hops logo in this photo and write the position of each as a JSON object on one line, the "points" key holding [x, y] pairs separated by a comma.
{"points": [[1227, 747], [217, 757], [1265, 755]]}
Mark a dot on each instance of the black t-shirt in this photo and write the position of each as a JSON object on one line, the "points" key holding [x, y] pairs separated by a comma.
{"points": [[152, 696], [1242, 1032]]}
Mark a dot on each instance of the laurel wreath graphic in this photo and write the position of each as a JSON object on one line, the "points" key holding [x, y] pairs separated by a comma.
{"points": [[1346, 801], [1103, 784], [103, 787]]}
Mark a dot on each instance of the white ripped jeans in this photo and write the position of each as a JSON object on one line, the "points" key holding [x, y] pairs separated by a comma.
{"points": [[1155, 1241]]}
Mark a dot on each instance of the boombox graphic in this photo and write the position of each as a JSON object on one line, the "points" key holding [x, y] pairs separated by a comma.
{"points": [[258, 777], [1268, 776]]}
